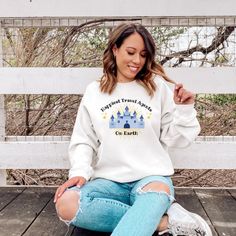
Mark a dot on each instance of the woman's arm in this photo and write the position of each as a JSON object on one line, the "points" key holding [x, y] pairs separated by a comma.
{"points": [[179, 125], [83, 145]]}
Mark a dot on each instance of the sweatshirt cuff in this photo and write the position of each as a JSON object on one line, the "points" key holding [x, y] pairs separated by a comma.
{"points": [[185, 110], [81, 173]]}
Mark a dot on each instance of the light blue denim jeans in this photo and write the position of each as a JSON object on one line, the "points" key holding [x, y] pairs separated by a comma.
{"points": [[122, 208]]}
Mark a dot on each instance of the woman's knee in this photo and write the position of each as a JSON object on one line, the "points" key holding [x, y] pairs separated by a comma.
{"points": [[157, 186], [67, 205]]}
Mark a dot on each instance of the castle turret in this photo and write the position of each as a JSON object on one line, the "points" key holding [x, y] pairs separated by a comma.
{"points": [[126, 113]]}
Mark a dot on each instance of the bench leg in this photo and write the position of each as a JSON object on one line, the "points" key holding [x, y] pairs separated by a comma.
{"points": [[3, 177]]}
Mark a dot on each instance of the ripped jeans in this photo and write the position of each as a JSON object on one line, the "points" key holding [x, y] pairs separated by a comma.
{"points": [[122, 208]]}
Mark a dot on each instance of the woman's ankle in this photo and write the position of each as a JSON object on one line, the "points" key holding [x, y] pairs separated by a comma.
{"points": [[163, 224]]}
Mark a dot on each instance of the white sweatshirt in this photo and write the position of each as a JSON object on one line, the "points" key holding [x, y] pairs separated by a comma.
{"points": [[124, 136]]}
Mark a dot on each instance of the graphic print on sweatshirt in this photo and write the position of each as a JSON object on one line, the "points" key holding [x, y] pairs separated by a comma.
{"points": [[126, 120], [126, 116]]}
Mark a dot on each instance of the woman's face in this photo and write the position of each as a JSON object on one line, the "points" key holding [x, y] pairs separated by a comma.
{"points": [[130, 57]]}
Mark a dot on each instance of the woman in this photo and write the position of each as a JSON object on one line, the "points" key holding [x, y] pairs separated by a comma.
{"points": [[119, 179]]}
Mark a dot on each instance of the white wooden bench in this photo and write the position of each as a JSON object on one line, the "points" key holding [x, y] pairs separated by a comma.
{"points": [[50, 152]]}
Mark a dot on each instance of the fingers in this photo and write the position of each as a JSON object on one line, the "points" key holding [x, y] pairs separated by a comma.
{"points": [[182, 96], [178, 87], [75, 181], [61, 189], [59, 192], [186, 97], [81, 182]]}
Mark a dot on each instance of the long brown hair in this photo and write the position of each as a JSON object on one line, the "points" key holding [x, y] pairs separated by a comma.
{"points": [[145, 76]]}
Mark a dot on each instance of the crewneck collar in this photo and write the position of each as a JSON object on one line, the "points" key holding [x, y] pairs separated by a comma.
{"points": [[127, 83]]}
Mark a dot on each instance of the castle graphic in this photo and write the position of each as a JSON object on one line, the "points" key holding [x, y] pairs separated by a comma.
{"points": [[126, 121]]}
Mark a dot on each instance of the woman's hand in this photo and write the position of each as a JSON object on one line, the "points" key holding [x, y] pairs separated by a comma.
{"points": [[78, 181], [182, 96]]}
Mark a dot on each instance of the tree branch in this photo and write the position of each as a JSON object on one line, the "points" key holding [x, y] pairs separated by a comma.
{"points": [[223, 34]]}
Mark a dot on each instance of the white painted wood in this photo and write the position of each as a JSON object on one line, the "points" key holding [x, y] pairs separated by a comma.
{"points": [[74, 80], [199, 139], [213, 154], [34, 154], [3, 173], [205, 80], [2, 118], [144, 20], [103, 8], [205, 155], [2, 111], [46, 80], [3, 177], [37, 138]]}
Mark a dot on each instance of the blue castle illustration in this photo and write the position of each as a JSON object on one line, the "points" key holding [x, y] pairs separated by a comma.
{"points": [[126, 120]]}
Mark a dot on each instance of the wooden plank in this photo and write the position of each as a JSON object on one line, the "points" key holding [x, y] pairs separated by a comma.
{"points": [[3, 177], [3, 173], [17, 216], [199, 139], [205, 80], [2, 107], [50, 222], [7, 195], [34, 155], [232, 192], [114, 8], [74, 80], [2, 118], [205, 155], [84, 232], [25, 210], [110, 22], [40, 138], [189, 200], [221, 209], [46, 80], [54, 155]]}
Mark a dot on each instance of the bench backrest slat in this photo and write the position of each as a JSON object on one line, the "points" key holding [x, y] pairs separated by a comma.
{"points": [[74, 80], [115, 8]]}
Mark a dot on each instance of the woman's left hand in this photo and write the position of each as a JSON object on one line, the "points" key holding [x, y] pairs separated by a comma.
{"points": [[182, 96]]}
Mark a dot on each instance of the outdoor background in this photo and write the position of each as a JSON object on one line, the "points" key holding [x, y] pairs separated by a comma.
{"points": [[83, 46]]}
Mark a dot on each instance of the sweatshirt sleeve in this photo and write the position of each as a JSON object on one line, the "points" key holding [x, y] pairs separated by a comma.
{"points": [[179, 125], [83, 145]]}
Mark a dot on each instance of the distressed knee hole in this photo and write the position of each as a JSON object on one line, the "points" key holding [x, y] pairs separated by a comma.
{"points": [[156, 187], [67, 205]]}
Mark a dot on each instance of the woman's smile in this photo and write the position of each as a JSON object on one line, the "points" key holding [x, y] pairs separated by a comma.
{"points": [[134, 69]]}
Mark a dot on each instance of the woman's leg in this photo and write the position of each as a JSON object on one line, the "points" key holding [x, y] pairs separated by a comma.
{"points": [[98, 205], [150, 199]]}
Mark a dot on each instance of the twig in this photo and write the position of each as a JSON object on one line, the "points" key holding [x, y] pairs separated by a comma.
{"points": [[49, 175], [192, 180], [27, 176]]}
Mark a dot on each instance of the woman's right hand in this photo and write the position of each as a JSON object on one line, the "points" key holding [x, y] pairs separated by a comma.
{"points": [[78, 181]]}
